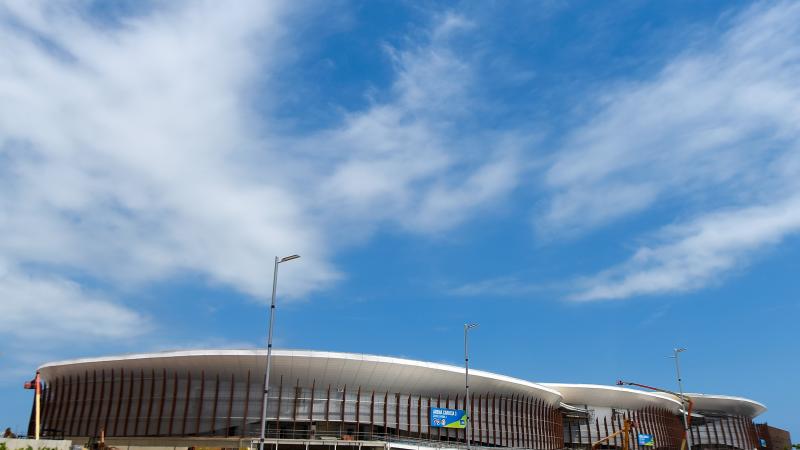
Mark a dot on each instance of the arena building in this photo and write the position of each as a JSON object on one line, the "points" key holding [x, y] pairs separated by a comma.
{"points": [[214, 398]]}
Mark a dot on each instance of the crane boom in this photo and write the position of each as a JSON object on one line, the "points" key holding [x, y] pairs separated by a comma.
{"points": [[682, 397]]}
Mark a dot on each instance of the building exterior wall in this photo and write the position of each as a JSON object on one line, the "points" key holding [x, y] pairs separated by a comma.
{"points": [[708, 433], [581, 430], [213, 395], [126, 403], [723, 431], [776, 438]]}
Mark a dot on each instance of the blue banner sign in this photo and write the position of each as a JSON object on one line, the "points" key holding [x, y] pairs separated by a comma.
{"points": [[448, 418], [646, 440]]}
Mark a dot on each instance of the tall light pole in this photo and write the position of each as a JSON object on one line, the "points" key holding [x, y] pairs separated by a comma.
{"points": [[675, 355], [467, 327], [269, 347]]}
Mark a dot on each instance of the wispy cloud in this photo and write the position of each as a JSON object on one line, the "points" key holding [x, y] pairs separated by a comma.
{"points": [[698, 253], [406, 161], [497, 288], [132, 152], [716, 131], [712, 119], [47, 307]]}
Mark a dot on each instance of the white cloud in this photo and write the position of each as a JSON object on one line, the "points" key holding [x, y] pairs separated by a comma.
{"points": [[132, 152], [697, 253], [716, 132], [121, 155], [713, 118], [49, 308], [406, 161]]}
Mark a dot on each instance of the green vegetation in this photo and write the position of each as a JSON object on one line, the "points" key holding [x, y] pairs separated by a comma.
{"points": [[4, 446]]}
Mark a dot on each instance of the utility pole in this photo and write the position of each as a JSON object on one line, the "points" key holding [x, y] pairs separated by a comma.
{"points": [[269, 348], [676, 352], [467, 327]]}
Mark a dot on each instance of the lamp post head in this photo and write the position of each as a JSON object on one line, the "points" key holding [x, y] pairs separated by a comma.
{"points": [[288, 258], [468, 326], [679, 350]]}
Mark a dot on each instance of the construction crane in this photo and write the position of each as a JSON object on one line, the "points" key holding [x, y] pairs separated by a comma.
{"points": [[682, 397], [627, 430]]}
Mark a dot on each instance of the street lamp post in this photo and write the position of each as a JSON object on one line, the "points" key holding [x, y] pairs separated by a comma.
{"points": [[676, 352], [269, 347], [467, 327]]}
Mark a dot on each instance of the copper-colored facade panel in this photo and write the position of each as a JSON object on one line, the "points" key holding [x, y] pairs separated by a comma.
{"points": [[328, 405], [408, 414], [139, 406], [294, 401], [161, 402], [419, 417], [126, 421], [187, 400], [504, 421], [114, 430], [100, 400], [200, 402], [214, 410], [311, 404], [69, 417], [481, 416], [371, 414], [59, 390], [81, 414], [56, 404], [514, 419], [358, 409], [230, 406], [494, 420], [46, 405], [174, 403], [246, 404], [150, 401], [396, 414], [341, 407], [737, 427], [110, 402]]}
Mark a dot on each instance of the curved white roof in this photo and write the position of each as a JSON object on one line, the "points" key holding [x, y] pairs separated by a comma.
{"points": [[390, 374], [727, 404], [337, 369], [612, 396]]}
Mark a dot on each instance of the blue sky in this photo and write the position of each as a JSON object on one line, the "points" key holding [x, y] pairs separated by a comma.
{"points": [[594, 183]]}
